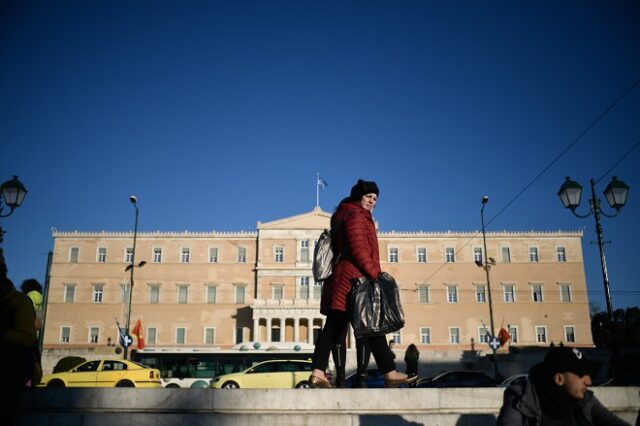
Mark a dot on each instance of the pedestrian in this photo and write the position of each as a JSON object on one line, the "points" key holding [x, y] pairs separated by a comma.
{"points": [[556, 393], [355, 243], [411, 359], [17, 337], [33, 290]]}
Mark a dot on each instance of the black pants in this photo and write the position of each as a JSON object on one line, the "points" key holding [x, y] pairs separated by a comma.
{"points": [[334, 332]]}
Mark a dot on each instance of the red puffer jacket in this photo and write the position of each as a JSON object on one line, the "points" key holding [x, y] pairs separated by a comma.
{"points": [[357, 241]]}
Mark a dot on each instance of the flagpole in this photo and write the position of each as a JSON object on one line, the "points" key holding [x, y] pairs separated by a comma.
{"points": [[317, 190]]}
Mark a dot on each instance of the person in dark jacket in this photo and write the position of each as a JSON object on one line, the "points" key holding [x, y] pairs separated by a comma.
{"points": [[556, 394], [17, 337], [356, 245]]}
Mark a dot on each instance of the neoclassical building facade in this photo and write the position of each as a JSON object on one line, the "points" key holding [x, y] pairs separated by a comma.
{"points": [[222, 289]]}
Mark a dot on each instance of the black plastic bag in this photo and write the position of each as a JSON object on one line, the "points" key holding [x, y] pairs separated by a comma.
{"points": [[375, 306]]}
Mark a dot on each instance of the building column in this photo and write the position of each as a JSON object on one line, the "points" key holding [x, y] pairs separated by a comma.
{"points": [[310, 330], [268, 339], [283, 328], [296, 330], [256, 329]]}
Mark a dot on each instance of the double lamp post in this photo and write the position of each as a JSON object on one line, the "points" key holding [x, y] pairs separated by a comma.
{"points": [[130, 268], [616, 194]]}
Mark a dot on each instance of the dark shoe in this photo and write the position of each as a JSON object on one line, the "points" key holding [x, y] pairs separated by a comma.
{"points": [[340, 383], [319, 383], [391, 383], [359, 381]]}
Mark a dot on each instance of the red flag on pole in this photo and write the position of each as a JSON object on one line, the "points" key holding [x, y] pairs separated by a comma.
{"points": [[137, 331], [504, 336]]}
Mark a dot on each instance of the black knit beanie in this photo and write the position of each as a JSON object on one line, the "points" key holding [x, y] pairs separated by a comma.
{"points": [[363, 188]]}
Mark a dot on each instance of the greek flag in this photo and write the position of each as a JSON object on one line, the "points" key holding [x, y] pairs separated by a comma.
{"points": [[322, 184]]}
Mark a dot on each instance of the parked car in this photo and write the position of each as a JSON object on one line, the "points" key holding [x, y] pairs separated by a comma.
{"points": [[516, 379], [105, 373], [374, 378], [282, 374], [457, 379]]}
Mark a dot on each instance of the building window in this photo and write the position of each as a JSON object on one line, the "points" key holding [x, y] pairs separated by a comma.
{"points": [[74, 254], [183, 293], [213, 254], [128, 255], [242, 255], [449, 255], [98, 293], [569, 334], [513, 332], [157, 255], [185, 255], [506, 254], [561, 255], [94, 334], [393, 255], [209, 335], [481, 293], [422, 255], [483, 334], [423, 294], [454, 335], [102, 255], [278, 254], [425, 335], [536, 293], [65, 334], [509, 293], [240, 294], [304, 288], [69, 293], [278, 292], [124, 293], [565, 293], [154, 294], [304, 251], [541, 334], [181, 335], [397, 337], [212, 291], [317, 290], [477, 255], [239, 334], [151, 336], [452, 294], [533, 254]]}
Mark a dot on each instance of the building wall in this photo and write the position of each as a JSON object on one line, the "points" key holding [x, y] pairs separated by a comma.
{"points": [[280, 294]]}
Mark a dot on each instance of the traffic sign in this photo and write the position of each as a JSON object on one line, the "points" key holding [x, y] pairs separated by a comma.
{"points": [[125, 340], [494, 343]]}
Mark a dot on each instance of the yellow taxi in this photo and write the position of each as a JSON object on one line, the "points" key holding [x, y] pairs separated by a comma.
{"points": [[281, 374], [105, 373]]}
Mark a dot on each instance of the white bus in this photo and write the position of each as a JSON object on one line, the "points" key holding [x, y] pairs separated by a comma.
{"points": [[195, 367]]}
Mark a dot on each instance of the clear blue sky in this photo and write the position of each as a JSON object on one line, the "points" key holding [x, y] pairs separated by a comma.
{"points": [[219, 114]]}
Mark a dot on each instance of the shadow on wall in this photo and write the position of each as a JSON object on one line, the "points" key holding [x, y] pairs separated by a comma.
{"points": [[372, 420], [476, 420], [463, 420]]}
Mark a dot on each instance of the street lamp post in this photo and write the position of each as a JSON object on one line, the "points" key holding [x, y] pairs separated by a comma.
{"points": [[131, 268], [616, 193], [12, 194], [486, 265]]}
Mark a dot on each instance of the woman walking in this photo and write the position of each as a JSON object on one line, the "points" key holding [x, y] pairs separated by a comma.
{"points": [[356, 244]]}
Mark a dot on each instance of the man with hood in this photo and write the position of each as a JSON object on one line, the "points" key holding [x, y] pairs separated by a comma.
{"points": [[556, 394]]}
